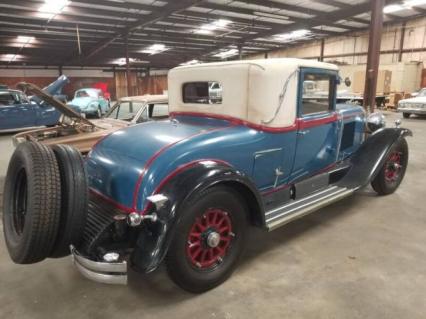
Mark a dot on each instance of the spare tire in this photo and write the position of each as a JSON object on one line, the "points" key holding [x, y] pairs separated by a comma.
{"points": [[74, 195], [32, 203]]}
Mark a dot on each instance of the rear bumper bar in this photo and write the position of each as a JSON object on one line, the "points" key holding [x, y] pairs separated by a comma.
{"points": [[103, 272]]}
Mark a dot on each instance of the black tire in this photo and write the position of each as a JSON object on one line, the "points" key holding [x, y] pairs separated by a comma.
{"points": [[74, 194], [98, 113], [390, 176], [406, 115], [182, 270], [32, 203]]}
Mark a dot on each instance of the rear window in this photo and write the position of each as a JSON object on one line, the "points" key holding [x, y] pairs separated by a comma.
{"points": [[209, 92]]}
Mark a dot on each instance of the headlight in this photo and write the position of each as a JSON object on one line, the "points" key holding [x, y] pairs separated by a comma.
{"points": [[401, 105], [375, 121]]}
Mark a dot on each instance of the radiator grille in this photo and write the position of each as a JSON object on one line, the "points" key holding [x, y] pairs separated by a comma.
{"points": [[100, 218]]}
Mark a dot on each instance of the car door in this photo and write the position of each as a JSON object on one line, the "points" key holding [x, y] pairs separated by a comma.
{"points": [[16, 111], [317, 133]]}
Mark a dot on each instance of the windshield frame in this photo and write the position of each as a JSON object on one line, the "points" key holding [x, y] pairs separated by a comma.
{"points": [[137, 115]]}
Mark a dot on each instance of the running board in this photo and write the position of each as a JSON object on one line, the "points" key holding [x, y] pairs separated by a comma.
{"points": [[282, 215]]}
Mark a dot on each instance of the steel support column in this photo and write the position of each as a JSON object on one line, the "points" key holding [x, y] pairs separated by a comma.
{"points": [[129, 82], [322, 50], [401, 41], [373, 58]]}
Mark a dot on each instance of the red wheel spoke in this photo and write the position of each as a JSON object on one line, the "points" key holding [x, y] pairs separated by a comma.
{"points": [[209, 238]]}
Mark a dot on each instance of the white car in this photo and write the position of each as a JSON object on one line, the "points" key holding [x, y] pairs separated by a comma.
{"points": [[414, 105]]}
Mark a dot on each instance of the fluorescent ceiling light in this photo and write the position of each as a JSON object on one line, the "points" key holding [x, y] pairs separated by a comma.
{"points": [[202, 31], [226, 54], [190, 62], [393, 8], [297, 34], [11, 57], [413, 3], [270, 15], [24, 39], [209, 27], [50, 8], [221, 23], [122, 61], [155, 49]]}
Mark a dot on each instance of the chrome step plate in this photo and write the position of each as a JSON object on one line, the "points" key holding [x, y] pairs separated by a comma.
{"points": [[282, 215]]}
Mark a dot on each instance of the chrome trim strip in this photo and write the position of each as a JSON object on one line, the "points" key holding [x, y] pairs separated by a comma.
{"points": [[300, 200], [286, 218], [298, 207]]}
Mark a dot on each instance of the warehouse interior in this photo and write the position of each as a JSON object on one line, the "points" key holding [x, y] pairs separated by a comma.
{"points": [[362, 257]]}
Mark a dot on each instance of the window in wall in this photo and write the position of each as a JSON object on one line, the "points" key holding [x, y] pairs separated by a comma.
{"points": [[209, 92], [318, 92]]}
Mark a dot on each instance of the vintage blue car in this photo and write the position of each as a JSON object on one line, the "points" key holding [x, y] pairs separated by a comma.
{"points": [[90, 102], [183, 191], [18, 112]]}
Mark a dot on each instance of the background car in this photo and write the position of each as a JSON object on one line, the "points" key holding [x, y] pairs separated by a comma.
{"points": [[414, 105], [82, 133], [18, 111], [90, 101]]}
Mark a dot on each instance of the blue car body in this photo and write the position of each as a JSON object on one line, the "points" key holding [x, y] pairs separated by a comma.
{"points": [[283, 161], [18, 112], [167, 145], [90, 101]]}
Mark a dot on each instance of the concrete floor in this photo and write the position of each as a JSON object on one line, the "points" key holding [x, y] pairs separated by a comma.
{"points": [[364, 257]]}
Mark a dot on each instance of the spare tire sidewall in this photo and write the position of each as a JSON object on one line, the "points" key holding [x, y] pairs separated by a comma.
{"points": [[31, 243]]}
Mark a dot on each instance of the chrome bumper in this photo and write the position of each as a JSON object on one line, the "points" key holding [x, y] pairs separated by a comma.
{"points": [[412, 111], [103, 272]]}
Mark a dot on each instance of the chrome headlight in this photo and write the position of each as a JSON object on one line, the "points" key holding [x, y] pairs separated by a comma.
{"points": [[375, 121]]}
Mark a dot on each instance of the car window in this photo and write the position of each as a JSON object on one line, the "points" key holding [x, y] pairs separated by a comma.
{"points": [[9, 99], [317, 93], [126, 110], [158, 111], [202, 92], [81, 94]]}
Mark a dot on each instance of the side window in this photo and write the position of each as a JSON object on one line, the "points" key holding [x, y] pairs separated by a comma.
{"points": [[126, 111], [209, 92], [317, 95], [159, 111]]}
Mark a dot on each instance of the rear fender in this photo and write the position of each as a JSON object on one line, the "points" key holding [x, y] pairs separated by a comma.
{"points": [[370, 157], [155, 237]]}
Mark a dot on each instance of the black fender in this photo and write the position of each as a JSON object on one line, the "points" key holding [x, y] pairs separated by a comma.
{"points": [[155, 237], [367, 161]]}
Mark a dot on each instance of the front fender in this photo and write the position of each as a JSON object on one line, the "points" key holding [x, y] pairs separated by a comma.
{"points": [[154, 239], [369, 158]]}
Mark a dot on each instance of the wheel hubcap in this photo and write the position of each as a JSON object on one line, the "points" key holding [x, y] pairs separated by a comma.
{"points": [[209, 239], [393, 167], [213, 239]]}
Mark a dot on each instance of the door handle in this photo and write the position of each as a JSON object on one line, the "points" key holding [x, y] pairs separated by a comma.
{"points": [[303, 132]]}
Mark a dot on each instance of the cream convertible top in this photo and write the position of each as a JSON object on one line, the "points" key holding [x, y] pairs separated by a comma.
{"points": [[252, 89]]}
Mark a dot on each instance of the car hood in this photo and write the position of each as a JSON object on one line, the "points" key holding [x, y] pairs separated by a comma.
{"points": [[68, 111], [136, 157], [417, 99], [82, 101]]}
